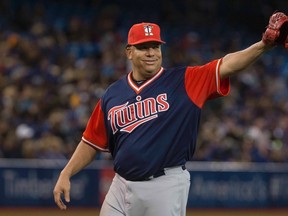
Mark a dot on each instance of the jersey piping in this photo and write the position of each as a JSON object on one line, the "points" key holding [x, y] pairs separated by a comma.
{"points": [[138, 89], [94, 145]]}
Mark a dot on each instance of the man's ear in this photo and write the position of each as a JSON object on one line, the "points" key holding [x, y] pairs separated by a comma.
{"points": [[128, 52]]}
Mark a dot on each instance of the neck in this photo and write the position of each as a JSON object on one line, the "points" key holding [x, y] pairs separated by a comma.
{"points": [[140, 76]]}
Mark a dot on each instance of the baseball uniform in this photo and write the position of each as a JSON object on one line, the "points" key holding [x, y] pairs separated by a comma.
{"points": [[150, 129]]}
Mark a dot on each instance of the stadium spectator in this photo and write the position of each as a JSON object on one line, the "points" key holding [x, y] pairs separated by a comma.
{"points": [[57, 58]]}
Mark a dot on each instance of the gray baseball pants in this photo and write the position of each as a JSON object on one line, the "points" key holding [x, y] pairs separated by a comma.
{"points": [[165, 195]]}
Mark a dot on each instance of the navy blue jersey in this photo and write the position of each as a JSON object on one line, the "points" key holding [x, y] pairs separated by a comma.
{"points": [[155, 125]]}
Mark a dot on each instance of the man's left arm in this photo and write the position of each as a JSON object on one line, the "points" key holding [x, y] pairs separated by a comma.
{"points": [[235, 62]]}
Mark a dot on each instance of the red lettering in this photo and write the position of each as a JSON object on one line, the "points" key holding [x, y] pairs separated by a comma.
{"points": [[163, 105], [112, 116], [149, 107], [127, 118]]}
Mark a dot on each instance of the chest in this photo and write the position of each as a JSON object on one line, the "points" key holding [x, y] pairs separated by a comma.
{"points": [[129, 109]]}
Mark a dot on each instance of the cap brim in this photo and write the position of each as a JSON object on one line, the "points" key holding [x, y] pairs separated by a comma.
{"points": [[146, 41]]}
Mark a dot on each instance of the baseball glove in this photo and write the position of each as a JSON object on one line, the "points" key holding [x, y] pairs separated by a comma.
{"points": [[277, 30]]}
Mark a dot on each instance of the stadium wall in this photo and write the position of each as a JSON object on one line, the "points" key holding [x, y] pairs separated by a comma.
{"points": [[30, 183]]}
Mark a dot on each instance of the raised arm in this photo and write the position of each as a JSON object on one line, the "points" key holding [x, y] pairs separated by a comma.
{"points": [[83, 155], [238, 61]]}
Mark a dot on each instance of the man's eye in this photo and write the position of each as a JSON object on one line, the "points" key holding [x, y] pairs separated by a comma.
{"points": [[143, 47]]}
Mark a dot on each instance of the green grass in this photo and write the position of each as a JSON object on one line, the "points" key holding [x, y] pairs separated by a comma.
{"points": [[95, 212]]}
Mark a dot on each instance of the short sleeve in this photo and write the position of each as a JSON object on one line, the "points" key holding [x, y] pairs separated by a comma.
{"points": [[203, 83], [95, 133]]}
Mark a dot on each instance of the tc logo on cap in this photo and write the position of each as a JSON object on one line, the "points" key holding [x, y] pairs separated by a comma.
{"points": [[148, 30], [144, 32]]}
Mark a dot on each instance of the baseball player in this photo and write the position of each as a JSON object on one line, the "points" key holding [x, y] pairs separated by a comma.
{"points": [[149, 120]]}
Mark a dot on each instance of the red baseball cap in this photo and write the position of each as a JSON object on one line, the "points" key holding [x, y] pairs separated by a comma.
{"points": [[144, 32]]}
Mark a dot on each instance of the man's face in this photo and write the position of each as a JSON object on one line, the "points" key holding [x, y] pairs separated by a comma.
{"points": [[146, 59]]}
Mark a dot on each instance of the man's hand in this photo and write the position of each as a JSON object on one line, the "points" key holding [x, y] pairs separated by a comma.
{"points": [[62, 187]]}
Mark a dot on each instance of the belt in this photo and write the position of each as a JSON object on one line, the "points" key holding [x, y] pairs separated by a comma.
{"points": [[160, 173]]}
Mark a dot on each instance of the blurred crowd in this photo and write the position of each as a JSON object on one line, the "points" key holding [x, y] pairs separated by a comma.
{"points": [[58, 57]]}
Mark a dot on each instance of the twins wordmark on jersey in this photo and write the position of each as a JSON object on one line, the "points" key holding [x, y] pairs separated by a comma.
{"points": [[126, 117]]}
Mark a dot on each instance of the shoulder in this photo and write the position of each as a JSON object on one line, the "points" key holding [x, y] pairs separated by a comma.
{"points": [[115, 91], [176, 69], [117, 85]]}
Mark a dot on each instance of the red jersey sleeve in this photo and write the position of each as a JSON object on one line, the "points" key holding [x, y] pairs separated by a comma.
{"points": [[95, 133], [203, 82]]}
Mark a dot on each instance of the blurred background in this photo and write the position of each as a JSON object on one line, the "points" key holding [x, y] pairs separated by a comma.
{"points": [[58, 57]]}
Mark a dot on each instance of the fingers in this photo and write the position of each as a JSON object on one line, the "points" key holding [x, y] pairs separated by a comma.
{"points": [[58, 191], [67, 196], [58, 201]]}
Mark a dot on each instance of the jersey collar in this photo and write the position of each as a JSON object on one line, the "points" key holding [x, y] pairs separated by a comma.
{"points": [[138, 89]]}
